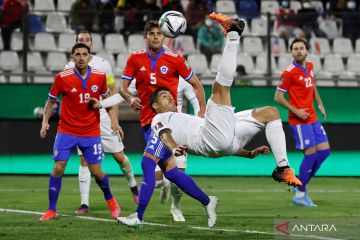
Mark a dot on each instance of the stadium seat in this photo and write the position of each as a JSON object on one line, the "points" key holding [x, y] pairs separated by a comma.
{"points": [[259, 27], [246, 31], [107, 56], [43, 79], [44, 7], [320, 46], [333, 65], [357, 46], [296, 5], [56, 22], [342, 47], [353, 65], [64, 6], [246, 60], [284, 61], [15, 77], [261, 63], [269, 6], [2, 77], [44, 42], [318, 5], [16, 43], [330, 28], [66, 42], [316, 62], [34, 61], [278, 46], [136, 42], [185, 3], [120, 63], [198, 63], [252, 46], [214, 64], [9, 61], [248, 9], [1, 44], [114, 43], [184, 44], [97, 43], [56, 61], [226, 7]]}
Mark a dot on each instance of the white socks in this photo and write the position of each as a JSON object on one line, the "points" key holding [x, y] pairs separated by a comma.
{"points": [[84, 183], [128, 172], [299, 194], [276, 137], [176, 195], [227, 65]]}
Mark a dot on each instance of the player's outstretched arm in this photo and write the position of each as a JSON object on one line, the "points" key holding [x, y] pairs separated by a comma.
{"points": [[169, 142], [200, 94], [319, 102], [48, 109], [253, 153], [280, 99]]}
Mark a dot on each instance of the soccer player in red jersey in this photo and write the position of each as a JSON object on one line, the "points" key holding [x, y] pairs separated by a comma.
{"points": [[152, 68], [298, 81], [79, 126]]}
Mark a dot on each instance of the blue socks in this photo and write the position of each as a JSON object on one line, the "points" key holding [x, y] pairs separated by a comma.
{"points": [[321, 156], [306, 169], [147, 185], [105, 187], [53, 191], [188, 185], [310, 165]]}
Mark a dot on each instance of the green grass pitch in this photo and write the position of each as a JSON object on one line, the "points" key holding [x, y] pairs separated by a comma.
{"points": [[248, 208]]}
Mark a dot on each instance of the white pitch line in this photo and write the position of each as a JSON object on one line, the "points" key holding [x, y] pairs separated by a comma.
{"points": [[167, 225]]}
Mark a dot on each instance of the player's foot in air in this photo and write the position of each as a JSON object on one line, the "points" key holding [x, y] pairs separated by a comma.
{"points": [[177, 214], [135, 193], [304, 201], [211, 210], [113, 207], [165, 192], [132, 221], [48, 215], [286, 175], [229, 24], [83, 209]]}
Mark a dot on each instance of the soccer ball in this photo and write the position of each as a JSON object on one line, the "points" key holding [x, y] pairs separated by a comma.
{"points": [[172, 24]]}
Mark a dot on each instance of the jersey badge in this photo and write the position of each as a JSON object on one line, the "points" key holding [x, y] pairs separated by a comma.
{"points": [[158, 126], [94, 88], [164, 69], [74, 90], [143, 68]]}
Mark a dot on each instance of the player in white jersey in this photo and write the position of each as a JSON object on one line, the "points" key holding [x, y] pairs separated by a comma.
{"points": [[111, 133]]}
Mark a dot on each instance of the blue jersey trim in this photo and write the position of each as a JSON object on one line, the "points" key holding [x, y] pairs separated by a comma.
{"points": [[83, 80], [153, 59], [126, 77], [301, 67], [189, 77], [52, 96], [281, 90]]}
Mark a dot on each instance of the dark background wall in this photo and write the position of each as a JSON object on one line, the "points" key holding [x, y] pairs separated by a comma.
{"points": [[22, 136]]}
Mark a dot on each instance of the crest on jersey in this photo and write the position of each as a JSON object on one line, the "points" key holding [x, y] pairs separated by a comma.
{"points": [[164, 69], [94, 88], [158, 126], [312, 73]]}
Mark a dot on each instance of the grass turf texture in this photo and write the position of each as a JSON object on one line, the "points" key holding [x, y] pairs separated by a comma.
{"points": [[248, 205]]}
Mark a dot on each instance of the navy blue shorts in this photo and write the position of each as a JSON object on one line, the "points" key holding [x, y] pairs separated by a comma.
{"points": [[90, 147], [308, 135], [154, 145]]}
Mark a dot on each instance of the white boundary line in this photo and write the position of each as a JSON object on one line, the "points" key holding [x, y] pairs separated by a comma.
{"points": [[167, 225]]}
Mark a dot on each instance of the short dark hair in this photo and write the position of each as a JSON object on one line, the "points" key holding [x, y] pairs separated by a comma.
{"points": [[149, 26], [85, 32], [155, 95], [296, 40], [79, 45]]}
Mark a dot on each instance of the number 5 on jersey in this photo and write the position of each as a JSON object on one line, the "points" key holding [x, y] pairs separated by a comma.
{"points": [[153, 78]]}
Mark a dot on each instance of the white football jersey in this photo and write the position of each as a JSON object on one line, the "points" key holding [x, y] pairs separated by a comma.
{"points": [[186, 90]]}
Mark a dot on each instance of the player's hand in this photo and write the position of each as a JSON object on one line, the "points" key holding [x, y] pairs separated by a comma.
{"points": [[322, 110], [260, 150], [201, 113], [44, 128], [135, 104], [94, 103], [118, 129], [302, 113], [180, 150]]}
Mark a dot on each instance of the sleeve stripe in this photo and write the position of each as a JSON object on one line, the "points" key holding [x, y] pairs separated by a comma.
{"points": [[281, 90], [189, 77], [52, 96], [126, 77]]}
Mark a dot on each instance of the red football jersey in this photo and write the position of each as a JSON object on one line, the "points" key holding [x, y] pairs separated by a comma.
{"points": [[150, 73], [299, 83], [75, 117]]}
